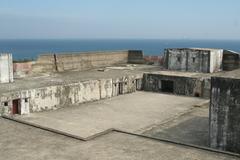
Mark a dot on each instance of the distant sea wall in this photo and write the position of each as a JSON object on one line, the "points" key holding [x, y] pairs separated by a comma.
{"points": [[154, 60], [22, 69], [85, 60]]}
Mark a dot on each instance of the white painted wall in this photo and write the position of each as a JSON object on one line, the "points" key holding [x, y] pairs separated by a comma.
{"points": [[216, 60], [6, 68], [53, 97], [106, 88]]}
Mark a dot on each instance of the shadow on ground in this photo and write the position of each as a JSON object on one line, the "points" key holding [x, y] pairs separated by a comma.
{"points": [[187, 129]]}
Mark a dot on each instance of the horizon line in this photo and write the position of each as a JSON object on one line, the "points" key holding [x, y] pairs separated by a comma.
{"points": [[214, 39]]}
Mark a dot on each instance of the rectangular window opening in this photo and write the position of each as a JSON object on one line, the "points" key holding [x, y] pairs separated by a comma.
{"points": [[193, 59], [26, 100], [5, 104]]}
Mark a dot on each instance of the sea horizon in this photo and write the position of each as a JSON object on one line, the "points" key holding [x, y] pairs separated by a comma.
{"points": [[31, 48]]}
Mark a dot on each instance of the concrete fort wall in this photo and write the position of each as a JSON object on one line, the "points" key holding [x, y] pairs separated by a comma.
{"points": [[53, 97], [193, 60], [225, 114], [85, 61], [216, 57], [230, 60], [187, 60], [157, 60], [197, 87], [6, 68], [22, 69], [135, 56]]}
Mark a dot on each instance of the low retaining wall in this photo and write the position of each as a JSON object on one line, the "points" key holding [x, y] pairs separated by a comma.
{"points": [[22, 69], [158, 60], [85, 61], [53, 97]]}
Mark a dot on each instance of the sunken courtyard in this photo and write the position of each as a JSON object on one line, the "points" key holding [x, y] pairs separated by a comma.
{"points": [[121, 105]]}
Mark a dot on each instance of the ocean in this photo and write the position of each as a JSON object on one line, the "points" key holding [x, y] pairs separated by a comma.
{"points": [[30, 49]]}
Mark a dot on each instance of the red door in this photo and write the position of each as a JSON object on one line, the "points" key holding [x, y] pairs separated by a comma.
{"points": [[15, 107]]}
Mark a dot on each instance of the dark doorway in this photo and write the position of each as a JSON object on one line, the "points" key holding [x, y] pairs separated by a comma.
{"points": [[196, 94], [167, 86], [16, 106], [120, 89]]}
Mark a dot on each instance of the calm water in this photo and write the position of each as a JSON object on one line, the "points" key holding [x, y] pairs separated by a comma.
{"points": [[30, 49]]}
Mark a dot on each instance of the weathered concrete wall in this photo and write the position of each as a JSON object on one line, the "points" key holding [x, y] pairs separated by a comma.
{"points": [[193, 60], [53, 97], [175, 59], [6, 68], [157, 60], [198, 61], [225, 114], [216, 57], [197, 87], [135, 56], [44, 63], [85, 61], [230, 60], [22, 69]]}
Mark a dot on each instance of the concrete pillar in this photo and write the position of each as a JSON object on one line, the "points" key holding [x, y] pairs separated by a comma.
{"points": [[6, 68]]}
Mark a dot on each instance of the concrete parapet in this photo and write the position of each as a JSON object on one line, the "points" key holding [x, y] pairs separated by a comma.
{"points": [[22, 69], [85, 60], [178, 84]]}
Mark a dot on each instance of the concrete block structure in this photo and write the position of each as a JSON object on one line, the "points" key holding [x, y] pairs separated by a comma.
{"points": [[135, 56], [225, 112], [66, 89], [6, 68], [189, 84], [49, 93], [193, 59], [230, 60]]}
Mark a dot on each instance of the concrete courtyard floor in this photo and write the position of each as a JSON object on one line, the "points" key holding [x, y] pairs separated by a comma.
{"points": [[157, 115], [190, 128], [135, 113], [21, 142]]}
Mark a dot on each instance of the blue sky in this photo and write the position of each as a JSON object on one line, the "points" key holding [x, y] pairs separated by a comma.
{"points": [[150, 19]]}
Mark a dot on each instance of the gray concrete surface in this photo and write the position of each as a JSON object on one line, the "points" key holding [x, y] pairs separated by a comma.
{"points": [[44, 80], [135, 112], [21, 142], [191, 128], [225, 114]]}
